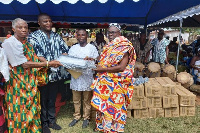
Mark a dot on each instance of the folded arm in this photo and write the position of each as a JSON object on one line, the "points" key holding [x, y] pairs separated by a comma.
{"points": [[119, 68]]}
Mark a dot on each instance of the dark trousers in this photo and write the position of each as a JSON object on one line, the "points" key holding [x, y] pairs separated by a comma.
{"points": [[62, 89], [48, 95]]}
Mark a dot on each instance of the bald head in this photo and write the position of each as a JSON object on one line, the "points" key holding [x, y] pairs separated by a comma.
{"points": [[40, 16], [45, 22]]}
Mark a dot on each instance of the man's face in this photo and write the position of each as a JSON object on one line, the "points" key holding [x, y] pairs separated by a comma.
{"points": [[45, 23], [100, 38], [21, 29], [113, 32], [129, 36], [160, 35], [142, 37], [82, 36]]}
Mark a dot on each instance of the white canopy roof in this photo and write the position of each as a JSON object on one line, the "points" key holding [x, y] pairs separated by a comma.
{"points": [[180, 15]]}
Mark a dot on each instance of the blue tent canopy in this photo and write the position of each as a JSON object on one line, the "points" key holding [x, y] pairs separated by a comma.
{"points": [[142, 12]]}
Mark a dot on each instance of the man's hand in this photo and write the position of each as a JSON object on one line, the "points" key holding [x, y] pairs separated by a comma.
{"points": [[88, 58], [64, 54]]}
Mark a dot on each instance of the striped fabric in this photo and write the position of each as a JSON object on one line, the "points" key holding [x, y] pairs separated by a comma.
{"points": [[113, 91], [49, 48], [22, 103]]}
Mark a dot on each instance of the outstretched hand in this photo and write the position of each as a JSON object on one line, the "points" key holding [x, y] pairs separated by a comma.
{"points": [[54, 63], [88, 58]]}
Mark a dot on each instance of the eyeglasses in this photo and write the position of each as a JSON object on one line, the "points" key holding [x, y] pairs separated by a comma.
{"points": [[112, 32]]}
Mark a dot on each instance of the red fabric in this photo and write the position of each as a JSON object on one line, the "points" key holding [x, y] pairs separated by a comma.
{"points": [[58, 103], [2, 120]]}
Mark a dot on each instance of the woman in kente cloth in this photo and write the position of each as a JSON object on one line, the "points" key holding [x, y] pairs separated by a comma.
{"points": [[113, 85]]}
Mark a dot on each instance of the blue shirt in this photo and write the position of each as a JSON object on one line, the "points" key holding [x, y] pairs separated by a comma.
{"points": [[49, 48]]}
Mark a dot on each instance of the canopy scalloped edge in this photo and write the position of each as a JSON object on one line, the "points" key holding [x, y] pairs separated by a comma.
{"points": [[141, 26], [178, 16], [59, 1]]}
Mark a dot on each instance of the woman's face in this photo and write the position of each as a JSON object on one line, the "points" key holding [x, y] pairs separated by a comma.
{"points": [[21, 29]]}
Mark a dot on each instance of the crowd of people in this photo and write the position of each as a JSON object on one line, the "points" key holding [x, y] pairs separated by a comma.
{"points": [[30, 107], [164, 51]]}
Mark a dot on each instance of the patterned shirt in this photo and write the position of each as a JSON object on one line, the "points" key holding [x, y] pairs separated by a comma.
{"points": [[49, 48], [159, 52], [141, 54]]}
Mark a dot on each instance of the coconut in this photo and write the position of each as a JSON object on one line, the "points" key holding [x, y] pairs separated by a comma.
{"points": [[169, 69], [191, 80], [188, 84], [195, 88], [183, 78], [153, 67], [139, 66]]}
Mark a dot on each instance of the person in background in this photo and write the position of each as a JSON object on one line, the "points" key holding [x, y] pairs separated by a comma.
{"points": [[22, 101], [81, 86], [167, 37], [142, 48], [113, 85], [3, 127], [160, 48], [99, 42], [129, 36], [64, 33], [93, 34], [70, 35], [48, 46], [195, 64], [9, 34], [4, 72], [195, 44], [173, 48]]}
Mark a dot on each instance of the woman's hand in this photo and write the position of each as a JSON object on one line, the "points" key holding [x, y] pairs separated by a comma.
{"points": [[54, 63], [100, 69], [88, 58]]}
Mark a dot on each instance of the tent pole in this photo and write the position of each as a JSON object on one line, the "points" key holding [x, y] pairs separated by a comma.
{"points": [[139, 33], [179, 45]]}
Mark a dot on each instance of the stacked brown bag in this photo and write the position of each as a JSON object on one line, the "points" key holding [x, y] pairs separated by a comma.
{"points": [[161, 97]]}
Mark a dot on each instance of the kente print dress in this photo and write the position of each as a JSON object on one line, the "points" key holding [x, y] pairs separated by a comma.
{"points": [[22, 103], [112, 92]]}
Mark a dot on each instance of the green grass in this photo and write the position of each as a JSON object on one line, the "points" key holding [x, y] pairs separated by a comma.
{"points": [[158, 125]]}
